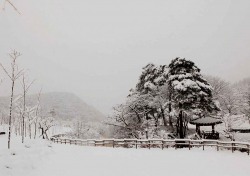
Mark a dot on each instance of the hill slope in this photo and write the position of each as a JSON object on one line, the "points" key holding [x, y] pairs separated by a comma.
{"points": [[66, 106]]}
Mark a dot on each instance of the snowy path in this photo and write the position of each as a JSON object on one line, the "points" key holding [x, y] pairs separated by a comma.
{"points": [[45, 159]]}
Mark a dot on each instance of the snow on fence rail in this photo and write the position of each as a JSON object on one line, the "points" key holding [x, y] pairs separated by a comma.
{"points": [[157, 143]]}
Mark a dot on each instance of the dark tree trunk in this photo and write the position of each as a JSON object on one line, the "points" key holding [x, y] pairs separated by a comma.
{"points": [[170, 118], [181, 129], [42, 133], [163, 117], [170, 110]]}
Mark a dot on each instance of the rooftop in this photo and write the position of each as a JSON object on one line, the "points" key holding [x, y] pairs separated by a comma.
{"points": [[206, 121]]}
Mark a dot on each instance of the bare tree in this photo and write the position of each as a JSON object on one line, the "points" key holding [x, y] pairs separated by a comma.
{"points": [[13, 75], [219, 86], [243, 94], [224, 93], [45, 124], [25, 87]]}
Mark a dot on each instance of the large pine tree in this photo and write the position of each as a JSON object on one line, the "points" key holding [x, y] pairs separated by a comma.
{"points": [[190, 92]]}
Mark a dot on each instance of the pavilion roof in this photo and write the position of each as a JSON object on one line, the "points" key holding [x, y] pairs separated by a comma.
{"points": [[206, 121]]}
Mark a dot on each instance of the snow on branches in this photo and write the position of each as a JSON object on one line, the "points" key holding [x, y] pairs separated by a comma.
{"points": [[154, 105], [189, 89]]}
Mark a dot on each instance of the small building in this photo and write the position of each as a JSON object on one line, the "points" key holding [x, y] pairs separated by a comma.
{"points": [[207, 121], [241, 128]]}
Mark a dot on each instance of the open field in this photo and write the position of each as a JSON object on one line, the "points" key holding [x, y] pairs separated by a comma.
{"points": [[41, 158]]}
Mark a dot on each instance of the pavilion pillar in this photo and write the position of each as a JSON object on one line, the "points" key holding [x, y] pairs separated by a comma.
{"points": [[198, 131], [212, 128]]}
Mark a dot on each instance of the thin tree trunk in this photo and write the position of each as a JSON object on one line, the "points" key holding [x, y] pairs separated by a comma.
{"points": [[23, 115], [35, 131], [170, 110], [43, 133], [20, 128], [11, 104], [30, 130], [170, 117], [25, 129]]}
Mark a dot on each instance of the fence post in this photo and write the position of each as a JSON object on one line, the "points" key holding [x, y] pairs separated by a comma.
{"points": [[162, 144], [113, 143], [203, 145], [217, 146], [136, 144], [189, 146], [149, 144], [232, 147], [248, 149]]}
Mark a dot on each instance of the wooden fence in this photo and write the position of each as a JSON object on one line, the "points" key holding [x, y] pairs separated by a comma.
{"points": [[157, 143]]}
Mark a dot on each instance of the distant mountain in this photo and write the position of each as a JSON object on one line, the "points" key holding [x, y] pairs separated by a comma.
{"points": [[65, 106]]}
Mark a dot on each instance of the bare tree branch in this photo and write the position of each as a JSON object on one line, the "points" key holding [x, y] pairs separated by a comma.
{"points": [[6, 72], [14, 7]]}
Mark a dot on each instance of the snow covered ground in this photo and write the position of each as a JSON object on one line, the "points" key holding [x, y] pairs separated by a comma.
{"points": [[43, 158]]}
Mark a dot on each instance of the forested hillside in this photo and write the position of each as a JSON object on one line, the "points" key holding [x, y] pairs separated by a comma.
{"points": [[63, 106]]}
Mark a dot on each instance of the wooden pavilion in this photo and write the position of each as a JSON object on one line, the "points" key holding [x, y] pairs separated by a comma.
{"points": [[207, 121]]}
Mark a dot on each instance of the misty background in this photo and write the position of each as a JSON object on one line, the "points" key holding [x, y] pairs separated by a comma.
{"points": [[96, 49]]}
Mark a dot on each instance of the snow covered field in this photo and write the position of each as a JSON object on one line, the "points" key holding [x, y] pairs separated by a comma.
{"points": [[42, 158]]}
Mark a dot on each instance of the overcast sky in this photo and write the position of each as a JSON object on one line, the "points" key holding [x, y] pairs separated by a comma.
{"points": [[96, 48]]}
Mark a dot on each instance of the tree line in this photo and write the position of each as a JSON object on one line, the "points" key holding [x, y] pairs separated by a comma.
{"points": [[167, 97]]}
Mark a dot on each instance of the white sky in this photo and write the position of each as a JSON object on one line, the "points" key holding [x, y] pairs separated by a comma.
{"points": [[96, 48]]}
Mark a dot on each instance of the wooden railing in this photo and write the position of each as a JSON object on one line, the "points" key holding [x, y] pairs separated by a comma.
{"points": [[157, 143]]}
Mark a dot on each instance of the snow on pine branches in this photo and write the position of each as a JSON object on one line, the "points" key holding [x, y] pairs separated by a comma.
{"points": [[162, 96], [188, 87]]}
